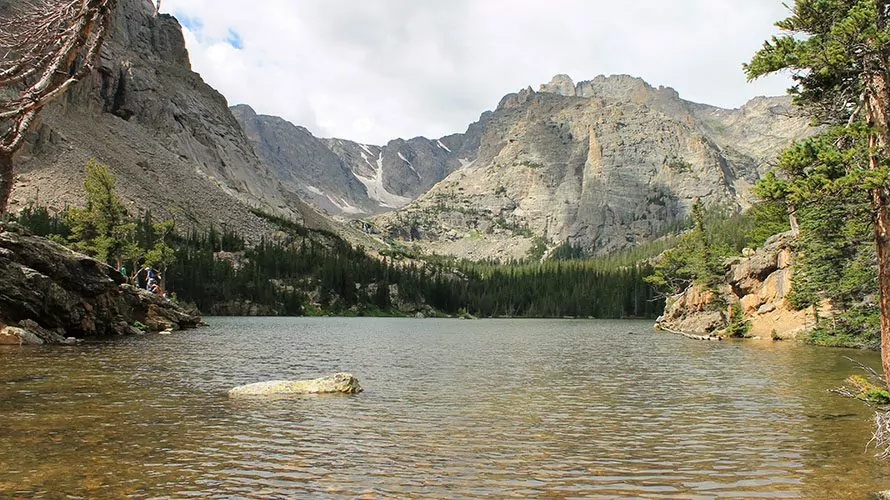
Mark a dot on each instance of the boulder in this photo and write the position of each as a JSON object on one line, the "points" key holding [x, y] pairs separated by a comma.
{"points": [[766, 308], [344, 383], [155, 311], [692, 311], [750, 303], [776, 286], [30, 333], [12, 335], [759, 266]]}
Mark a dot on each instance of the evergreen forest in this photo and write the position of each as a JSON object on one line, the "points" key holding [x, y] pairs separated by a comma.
{"points": [[311, 272]]}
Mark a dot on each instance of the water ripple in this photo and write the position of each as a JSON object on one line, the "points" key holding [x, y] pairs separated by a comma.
{"points": [[451, 409]]}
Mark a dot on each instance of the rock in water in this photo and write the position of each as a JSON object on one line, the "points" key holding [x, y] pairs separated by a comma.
{"points": [[341, 382]]}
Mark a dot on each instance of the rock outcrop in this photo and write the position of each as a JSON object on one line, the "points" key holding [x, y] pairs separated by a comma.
{"points": [[344, 383], [604, 165], [51, 294], [758, 282]]}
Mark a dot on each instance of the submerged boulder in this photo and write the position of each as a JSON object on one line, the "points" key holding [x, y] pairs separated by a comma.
{"points": [[344, 383]]}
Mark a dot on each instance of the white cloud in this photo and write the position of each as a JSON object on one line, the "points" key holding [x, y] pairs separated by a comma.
{"points": [[374, 71]]}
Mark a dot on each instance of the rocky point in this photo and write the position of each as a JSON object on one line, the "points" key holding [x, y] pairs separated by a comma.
{"points": [[53, 295]]}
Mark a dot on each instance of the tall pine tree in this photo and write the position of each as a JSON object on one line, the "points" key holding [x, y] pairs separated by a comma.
{"points": [[839, 53]]}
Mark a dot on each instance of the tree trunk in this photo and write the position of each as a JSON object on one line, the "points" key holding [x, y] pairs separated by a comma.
{"points": [[881, 202], [877, 108], [7, 179]]}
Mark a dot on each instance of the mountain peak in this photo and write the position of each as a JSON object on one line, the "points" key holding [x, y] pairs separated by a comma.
{"points": [[602, 86], [243, 110], [561, 84]]}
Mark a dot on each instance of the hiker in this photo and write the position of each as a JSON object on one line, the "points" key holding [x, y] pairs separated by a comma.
{"points": [[150, 277]]}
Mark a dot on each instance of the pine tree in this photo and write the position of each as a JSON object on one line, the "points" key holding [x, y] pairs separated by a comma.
{"points": [[839, 53], [102, 228]]}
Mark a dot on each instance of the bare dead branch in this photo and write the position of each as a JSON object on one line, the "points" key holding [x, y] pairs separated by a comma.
{"points": [[53, 45], [881, 437], [47, 46]]}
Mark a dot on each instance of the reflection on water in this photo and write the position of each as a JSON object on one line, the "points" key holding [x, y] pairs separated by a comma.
{"points": [[450, 408]]}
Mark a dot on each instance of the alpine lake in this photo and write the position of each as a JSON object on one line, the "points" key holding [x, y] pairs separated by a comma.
{"points": [[451, 409]]}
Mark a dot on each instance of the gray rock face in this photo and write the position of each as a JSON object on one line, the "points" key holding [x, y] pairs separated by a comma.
{"points": [[50, 293], [167, 136], [344, 383], [347, 178], [302, 163], [604, 164], [560, 84]]}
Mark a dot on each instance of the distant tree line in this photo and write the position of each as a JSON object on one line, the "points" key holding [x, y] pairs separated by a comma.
{"points": [[314, 272]]}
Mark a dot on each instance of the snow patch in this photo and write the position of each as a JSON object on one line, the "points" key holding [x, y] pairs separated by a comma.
{"points": [[365, 147], [443, 146], [465, 163], [344, 206], [409, 164], [367, 160], [377, 192], [340, 203]]}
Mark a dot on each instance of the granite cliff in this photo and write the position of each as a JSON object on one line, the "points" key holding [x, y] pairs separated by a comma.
{"points": [[604, 165], [167, 136]]}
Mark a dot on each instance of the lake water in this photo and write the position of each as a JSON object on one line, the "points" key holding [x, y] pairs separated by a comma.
{"points": [[523, 408]]}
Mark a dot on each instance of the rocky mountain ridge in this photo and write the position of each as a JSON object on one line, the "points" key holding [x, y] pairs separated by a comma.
{"points": [[167, 136], [603, 165], [352, 179]]}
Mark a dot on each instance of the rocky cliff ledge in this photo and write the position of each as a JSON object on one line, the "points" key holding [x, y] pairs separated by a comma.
{"points": [[52, 295], [759, 281]]}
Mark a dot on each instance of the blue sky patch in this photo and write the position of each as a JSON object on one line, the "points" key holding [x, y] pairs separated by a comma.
{"points": [[234, 39], [193, 24]]}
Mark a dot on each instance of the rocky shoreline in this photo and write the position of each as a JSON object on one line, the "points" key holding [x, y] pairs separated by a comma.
{"points": [[53, 295], [757, 282]]}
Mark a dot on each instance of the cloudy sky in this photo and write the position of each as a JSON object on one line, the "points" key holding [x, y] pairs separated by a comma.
{"points": [[374, 70]]}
